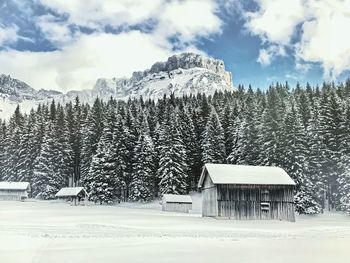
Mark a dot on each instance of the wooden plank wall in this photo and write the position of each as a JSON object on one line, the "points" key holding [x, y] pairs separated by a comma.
{"points": [[177, 207], [209, 198], [244, 202], [12, 195]]}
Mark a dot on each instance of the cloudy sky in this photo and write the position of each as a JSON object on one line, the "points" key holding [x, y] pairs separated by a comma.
{"points": [[64, 45]]}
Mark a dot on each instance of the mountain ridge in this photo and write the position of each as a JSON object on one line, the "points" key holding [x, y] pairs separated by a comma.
{"points": [[181, 74]]}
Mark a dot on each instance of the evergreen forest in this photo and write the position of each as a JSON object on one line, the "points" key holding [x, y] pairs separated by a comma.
{"points": [[137, 150]]}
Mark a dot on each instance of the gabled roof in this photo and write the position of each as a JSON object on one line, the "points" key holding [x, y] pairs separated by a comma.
{"points": [[170, 198], [14, 185], [69, 191], [245, 174]]}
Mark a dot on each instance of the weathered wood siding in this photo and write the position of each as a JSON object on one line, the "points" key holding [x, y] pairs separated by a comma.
{"points": [[13, 195], [177, 207], [209, 198], [255, 202]]}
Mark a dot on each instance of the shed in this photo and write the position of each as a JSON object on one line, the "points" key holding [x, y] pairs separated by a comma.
{"points": [[17, 191], [72, 193], [246, 192], [176, 203]]}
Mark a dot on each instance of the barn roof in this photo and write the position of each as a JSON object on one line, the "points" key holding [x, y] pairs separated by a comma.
{"points": [[14, 185], [170, 198], [69, 191], [245, 174]]}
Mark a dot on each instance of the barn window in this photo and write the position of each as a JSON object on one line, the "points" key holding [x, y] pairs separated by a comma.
{"points": [[265, 207], [265, 195]]}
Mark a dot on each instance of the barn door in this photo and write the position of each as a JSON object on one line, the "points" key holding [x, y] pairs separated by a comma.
{"points": [[243, 210], [265, 208]]}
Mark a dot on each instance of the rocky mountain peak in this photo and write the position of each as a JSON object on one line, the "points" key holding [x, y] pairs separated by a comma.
{"points": [[187, 61], [11, 86], [181, 74]]}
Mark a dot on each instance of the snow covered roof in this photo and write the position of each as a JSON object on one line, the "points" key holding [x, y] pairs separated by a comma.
{"points": [[69, 191], [14, 185], [245, 174], [169, 198]]}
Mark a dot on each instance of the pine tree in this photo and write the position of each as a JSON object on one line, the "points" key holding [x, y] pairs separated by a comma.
{"points": [[173, 170], [213, 140], [13, 146], [130, 138], [344, 191], [331, 130], [47, 179], [270, 136], [75, 120], [304, 108], [29, 150], [294, 161], [143, 174], [66, 165], [3, 137], [92, 132], [317, 159], [234, 134], [225, 121], [104, 180], [191, 143], [343, 179], [246, 148]]}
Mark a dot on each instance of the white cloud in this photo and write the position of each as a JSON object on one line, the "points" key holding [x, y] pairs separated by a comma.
{"points": [[189, 19], [81, 57], [8, 35], [323, 38], [266, 55], [302, 66], [54, 30], [184, 19], [94, 13], [276, 20]]}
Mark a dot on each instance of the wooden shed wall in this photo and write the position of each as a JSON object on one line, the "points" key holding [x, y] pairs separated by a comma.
{"points": [[209, 195], [13, 195], [245, 202], [177, 207]]}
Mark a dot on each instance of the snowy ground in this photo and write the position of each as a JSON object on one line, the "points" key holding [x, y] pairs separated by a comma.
{"points": [[50, 232]]}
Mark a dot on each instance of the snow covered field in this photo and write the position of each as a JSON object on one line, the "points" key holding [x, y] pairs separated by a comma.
{"points": [[50, 232]]}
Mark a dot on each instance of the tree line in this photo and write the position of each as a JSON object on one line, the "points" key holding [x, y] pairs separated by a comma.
{"points": [[137, 150]]}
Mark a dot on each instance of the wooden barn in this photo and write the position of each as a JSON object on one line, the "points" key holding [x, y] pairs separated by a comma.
{"points": [[16, 191], [246, 192], [176, 203], [74, 194]]}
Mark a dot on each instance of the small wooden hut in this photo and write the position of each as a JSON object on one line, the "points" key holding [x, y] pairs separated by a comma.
{"points": [[14, 191], [74, 194], [176, 203], [246, 192]]}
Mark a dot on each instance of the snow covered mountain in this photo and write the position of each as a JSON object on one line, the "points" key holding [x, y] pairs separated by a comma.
{"points": [[14, 92], [182, 74]]}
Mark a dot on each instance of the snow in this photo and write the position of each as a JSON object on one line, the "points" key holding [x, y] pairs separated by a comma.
{"points": [[245, 174], [55, 232], [170, 198], [182, 74], [7, 106], [153, 86], [69, 191], [14, 185]]}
